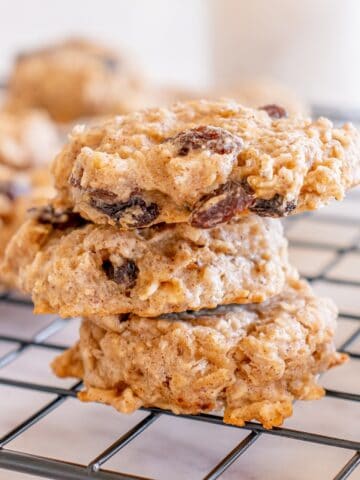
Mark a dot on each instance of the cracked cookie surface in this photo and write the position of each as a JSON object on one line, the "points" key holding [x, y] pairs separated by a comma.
{"points": [[250, 360], [205, 162], [78, 270]]}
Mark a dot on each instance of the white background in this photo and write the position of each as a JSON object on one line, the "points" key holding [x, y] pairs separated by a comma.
{"points": [[312, 45], [169, 37]]}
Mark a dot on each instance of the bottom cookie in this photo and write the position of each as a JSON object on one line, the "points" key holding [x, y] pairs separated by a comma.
{"points": [[250, 361]]}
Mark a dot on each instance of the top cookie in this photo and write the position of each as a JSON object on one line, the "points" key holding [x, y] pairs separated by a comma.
{"points": [[73, 79], [204, 163]]}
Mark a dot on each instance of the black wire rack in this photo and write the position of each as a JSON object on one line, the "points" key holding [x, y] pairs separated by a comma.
{"points": [[64, 470]]}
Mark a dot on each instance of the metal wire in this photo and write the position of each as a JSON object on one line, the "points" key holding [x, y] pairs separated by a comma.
{"points": [[62, 470]]}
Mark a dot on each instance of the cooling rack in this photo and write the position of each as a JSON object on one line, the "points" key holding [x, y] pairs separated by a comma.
{"points": [[327, 248]]}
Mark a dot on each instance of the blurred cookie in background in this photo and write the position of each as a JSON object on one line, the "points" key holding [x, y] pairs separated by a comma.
{"points": [[8, 192], [75, 78], [19, 192], [28, 142], [28, 139], [166, 95], [2, 92], [258, 92], [252, 93]]}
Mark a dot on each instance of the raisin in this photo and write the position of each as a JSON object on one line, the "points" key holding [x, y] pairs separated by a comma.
{"points": [[221, 206], [104, 195], [134, 213], [215, 139], [123, 317], [110, 63], [7, 189], [125, 274], [14, 189], [273, 207], [166, 382], [274, 111], [58, 218], [74, 181], [290, 207]]}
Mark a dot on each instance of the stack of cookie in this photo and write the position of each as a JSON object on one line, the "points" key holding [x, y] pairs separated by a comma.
{"points": [[165, 238]]}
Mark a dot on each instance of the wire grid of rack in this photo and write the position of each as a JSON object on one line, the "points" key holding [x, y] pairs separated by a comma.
{"points": [[61, 469]]}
